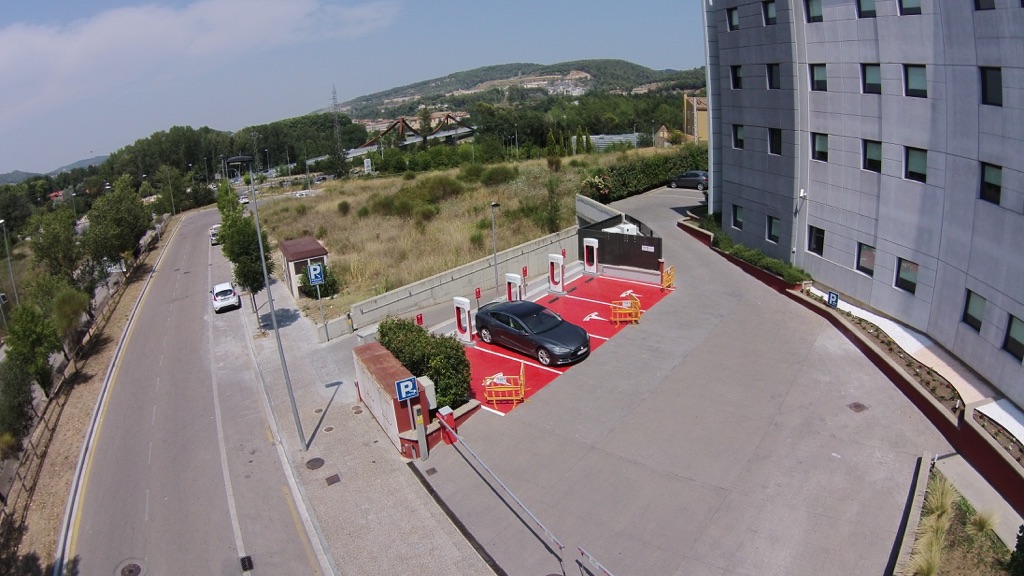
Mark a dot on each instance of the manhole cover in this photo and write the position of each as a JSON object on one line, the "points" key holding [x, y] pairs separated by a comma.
{"points": [[314, 463], [131, 570], [857, 407], [318, 410], [357, 411], [329, 429], [333, 479]]}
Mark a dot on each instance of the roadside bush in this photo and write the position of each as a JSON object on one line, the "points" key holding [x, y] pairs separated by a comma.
{"points": [[440, 358], [330, 287], [752, 256], [344, 207], [632, 175], [499, 174], [409, 175]]}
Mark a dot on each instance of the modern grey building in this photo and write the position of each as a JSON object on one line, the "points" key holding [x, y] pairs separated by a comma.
{"points": [[879, 145]]}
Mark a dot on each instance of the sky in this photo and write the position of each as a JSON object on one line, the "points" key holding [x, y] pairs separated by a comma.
{"points": [[83, 79]]}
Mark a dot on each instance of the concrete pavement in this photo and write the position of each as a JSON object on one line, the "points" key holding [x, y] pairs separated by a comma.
{"points": [[731, 432]]}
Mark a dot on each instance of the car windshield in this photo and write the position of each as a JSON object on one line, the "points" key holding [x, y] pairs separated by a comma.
{"points": [[541, 321], [224, 293]]}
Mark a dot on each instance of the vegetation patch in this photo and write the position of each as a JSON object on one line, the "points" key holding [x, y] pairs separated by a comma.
{"points": [[752, 256], [440, 358]]}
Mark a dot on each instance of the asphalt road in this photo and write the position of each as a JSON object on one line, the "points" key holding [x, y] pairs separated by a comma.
{"points": [[184, 476]]}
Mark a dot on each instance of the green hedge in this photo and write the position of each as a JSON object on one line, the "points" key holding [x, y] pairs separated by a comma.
{"points": [[440, 358], [638, 174], [752, 256]]}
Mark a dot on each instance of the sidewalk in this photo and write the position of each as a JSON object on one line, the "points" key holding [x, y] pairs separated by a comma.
{"points": [[371, 513]]}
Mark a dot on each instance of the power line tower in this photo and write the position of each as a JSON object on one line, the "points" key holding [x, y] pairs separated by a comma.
{"points": [[337, 128]]}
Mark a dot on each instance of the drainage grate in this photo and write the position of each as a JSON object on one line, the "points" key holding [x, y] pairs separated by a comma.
{"points": [[246, 563], [857, 407], [430, 471], [333, 479], [314, 463]]}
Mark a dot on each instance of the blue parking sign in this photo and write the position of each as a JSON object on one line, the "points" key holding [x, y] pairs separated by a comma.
{"points": [[316, 274], [406, 389], [833, 299]]}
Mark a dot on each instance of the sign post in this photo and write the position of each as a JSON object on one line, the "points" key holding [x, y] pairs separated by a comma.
{"points": [[406, 390], [316, 278]]}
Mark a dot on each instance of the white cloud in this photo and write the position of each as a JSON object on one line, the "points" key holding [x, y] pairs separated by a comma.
{"points": [[46, 67]]}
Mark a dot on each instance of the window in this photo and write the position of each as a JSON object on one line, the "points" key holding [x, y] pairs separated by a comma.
{"points": [[815, 240], [910, 7], [991, 183], [819, 147], [737, 217], [984, 4], [906, 275], [992, 86], [915, 81], [775, 141], [916, 165], [733, 17], [871, 78], [813, 9], [865, 8], [737, 136], [736, 72], [768, 12], [774, 72], [872, 155], [819, 78], [866, 259], [772, 229], [1014, 341], [974, 311]]}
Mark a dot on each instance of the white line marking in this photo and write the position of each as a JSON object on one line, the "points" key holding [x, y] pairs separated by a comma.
{"points": [[152, 420], [149, 458], [600, 337], [582, 299], [147, 504], [541, 366], [491, 410]]}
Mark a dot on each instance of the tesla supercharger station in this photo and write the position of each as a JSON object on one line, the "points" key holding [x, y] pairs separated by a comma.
{"points": [[590, 255], [556, 273], [513, 287], [463, 324]]}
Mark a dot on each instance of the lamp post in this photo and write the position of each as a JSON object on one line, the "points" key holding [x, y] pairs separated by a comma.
{"points": [[7, 248], [517, 142], [267, 152], [494, 243], [270, 297]]}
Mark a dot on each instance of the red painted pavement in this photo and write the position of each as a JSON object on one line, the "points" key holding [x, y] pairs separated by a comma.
{"points": [[586, 303]]}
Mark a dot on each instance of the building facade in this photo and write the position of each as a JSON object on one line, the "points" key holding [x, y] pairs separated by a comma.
{"points": [[879, 145]]}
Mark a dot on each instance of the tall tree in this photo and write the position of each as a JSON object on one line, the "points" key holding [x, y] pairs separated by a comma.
{"points": [[54, 242], [15, 407], [242, 248], [30, 342], [116, 222]]}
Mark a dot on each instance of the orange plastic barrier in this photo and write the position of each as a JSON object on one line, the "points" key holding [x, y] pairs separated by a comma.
{"points": [[668, 278], [626, 310], [502, 388]]}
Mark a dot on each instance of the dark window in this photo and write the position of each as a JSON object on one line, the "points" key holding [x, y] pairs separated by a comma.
{"points": [[736, 73], [1014, 341], [866, 259], [974, 311], [915, 81], [815, 240], [916, 165], [737, 136], [733, 17], [871, 78], [737, 217], [819, 147], [865, 8], [991, 183], [910, 7], [819, 78], [906, 275], [775, 141], [872, 155], [992, 86], [774, 72], [813, 8], [772, 229], [768, 12], [984, 4]]}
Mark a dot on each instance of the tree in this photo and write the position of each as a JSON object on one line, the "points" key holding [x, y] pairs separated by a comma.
{"points": [[68, 307], [116, 223], [31, 340], [242, 248], [54, 243], [1015, 566], [15, 407], [553, 210]]}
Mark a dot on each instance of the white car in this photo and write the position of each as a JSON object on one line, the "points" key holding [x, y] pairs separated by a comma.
{"points": [[224, 296], [243, 199], [214, 235]]}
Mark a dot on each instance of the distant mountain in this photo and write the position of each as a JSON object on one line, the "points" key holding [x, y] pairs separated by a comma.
{"points": [[17, 177], [566, 77]]}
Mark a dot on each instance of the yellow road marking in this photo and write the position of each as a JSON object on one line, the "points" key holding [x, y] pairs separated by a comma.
{"points": [[303, 537]]}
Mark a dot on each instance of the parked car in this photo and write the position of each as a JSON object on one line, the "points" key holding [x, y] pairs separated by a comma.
{"points": [[243, 199], [532, 329], [693, 179], [224, 296], [215, 235]]}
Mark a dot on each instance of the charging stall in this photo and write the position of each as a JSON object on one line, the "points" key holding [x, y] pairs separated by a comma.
{"points": [[513, 287], [590, 255], [556, 273], [463, 320]]}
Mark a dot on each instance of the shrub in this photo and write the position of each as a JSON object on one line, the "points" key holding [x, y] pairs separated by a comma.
{"points": [[440, 358], [330, 286], [499, 174], [301, 210], [471, 172], [554, 163], [408, 175], [1016, 564], [321, 232], [363, 212], [476, 239], [344, 207]]}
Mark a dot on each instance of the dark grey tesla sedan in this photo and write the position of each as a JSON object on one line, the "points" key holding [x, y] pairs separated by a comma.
{"points": [[532, 329]]}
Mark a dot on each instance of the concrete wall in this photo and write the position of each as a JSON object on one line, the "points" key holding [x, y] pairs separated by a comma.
{"points": [[959, 241]]}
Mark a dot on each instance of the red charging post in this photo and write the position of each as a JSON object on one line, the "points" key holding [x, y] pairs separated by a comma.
{"points": [[419, 319], [478, 298], [524, 273]]}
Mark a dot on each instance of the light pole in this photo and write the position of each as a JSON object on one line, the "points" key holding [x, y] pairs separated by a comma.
{"points": [[517, 142], [270, 297], [267, 152], [494, 243], [7, 248]]}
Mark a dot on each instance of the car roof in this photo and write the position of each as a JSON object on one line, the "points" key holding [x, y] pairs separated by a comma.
{"points": [[515, 308], [223, 286]]}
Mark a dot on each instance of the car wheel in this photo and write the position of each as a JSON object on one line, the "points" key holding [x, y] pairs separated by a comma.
{"points": [[485, 335], [673, 184], [543, 356], [700, 186]]}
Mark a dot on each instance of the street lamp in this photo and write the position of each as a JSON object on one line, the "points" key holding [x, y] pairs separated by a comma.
{"points": [[7, 248], [517, 142], [494, 243], [267, 151], [270, 297]]}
